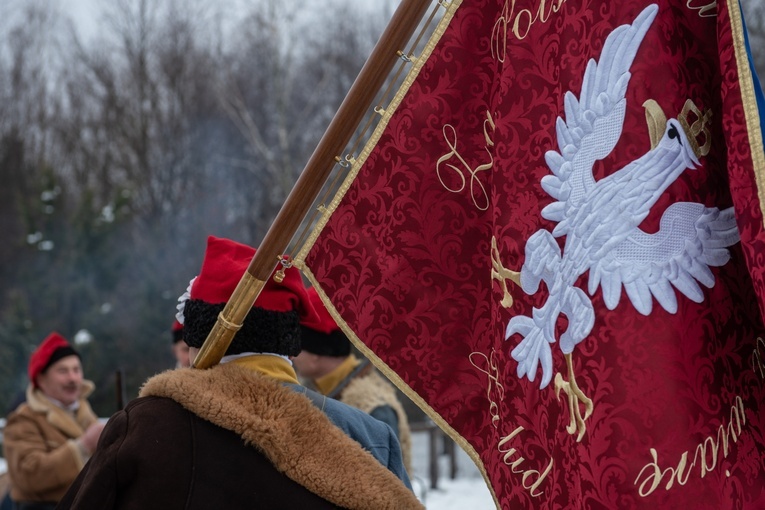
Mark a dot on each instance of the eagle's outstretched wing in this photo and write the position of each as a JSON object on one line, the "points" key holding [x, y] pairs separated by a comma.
{"points": [[691, 238], [593, 123]]}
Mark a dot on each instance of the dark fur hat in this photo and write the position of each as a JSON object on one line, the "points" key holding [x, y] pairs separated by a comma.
{"points": [[321, 334], [273, 323]]}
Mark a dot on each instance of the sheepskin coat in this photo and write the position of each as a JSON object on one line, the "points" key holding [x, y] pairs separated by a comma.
{"points": [[40, 446], [229, 437]]}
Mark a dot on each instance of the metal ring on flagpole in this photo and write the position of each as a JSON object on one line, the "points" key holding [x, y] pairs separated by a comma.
{"points": [[379, 110], [286, 263], [342, 162], [227, 324], [403, 56]]}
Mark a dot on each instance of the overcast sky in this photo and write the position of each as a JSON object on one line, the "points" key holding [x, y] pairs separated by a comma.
{"points": [[86, 13]]}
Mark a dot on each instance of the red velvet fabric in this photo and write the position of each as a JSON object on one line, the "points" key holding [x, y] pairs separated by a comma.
{"points": [[407, 260]]}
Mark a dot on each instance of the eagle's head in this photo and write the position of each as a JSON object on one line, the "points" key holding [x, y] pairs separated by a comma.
{"points": [[675, 139], [679, 135]]}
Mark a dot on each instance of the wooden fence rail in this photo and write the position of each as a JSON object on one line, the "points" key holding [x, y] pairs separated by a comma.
{"points": [[437, 442]]}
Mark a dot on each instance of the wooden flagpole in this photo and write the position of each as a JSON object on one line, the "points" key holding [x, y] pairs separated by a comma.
{"points": [[350, 114]]}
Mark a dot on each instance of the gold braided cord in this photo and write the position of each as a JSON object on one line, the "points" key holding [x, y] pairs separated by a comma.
{"points": [[326, 213], [751, 113]]}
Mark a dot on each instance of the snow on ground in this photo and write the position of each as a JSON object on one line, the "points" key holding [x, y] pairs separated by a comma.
{"points": [[467, 491]]}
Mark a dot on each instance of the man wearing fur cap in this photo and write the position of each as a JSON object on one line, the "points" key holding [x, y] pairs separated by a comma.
{"points": [[242, 434], [48, 439], [326, 360]]}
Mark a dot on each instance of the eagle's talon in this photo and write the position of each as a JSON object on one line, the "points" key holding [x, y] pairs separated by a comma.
{"points": [[575, 396]]}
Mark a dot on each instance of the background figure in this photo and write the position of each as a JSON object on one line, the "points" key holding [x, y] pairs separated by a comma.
{"points": [[242, 434], [180, 347], [327, 362], [48, 439], [5, 486]]}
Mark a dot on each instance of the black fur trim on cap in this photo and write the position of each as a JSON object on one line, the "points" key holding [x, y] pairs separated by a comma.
{"points": [[60, 353], [334, 344], [262, 331]]}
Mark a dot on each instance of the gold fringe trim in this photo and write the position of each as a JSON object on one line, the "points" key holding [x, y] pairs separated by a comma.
{"points": [[751, 113]]}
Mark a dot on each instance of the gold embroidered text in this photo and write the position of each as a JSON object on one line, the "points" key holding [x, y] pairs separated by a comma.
{"points": [[477, 190], [706, 456], [758, 358], [491, 370], [706, 8], [519, 23], [531, 478]]}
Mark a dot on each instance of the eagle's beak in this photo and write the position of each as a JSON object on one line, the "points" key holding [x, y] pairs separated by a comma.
{"points": [[656, 120], [695, 163]]}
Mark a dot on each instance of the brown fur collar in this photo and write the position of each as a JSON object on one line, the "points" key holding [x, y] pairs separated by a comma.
{"points": [[70, 425], [296, 437]]}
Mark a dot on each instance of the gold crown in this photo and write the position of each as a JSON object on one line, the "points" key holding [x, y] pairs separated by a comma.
{"points": [[692, 120], [695, 123]]}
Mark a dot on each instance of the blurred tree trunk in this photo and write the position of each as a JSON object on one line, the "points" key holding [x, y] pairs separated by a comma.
{"points": [[284, 79]]}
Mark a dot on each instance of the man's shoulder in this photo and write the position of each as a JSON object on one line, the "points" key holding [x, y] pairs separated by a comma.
{"points": [[353, 421], [151, 405], [373, 381], [339, 407], [22, 421], [145, 417], [369, 391], [21, 414]]}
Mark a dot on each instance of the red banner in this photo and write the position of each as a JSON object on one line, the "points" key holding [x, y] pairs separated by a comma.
{"points": [[554, 245]]}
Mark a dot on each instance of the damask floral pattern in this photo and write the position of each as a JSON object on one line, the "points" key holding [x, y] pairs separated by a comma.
{"points": [[406, 259]]}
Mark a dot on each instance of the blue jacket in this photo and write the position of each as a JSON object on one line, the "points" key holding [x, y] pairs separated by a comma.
{"points": [[375, 436]]}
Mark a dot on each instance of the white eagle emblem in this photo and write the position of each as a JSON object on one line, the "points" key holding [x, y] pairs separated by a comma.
{"points": [[600, 219]]}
